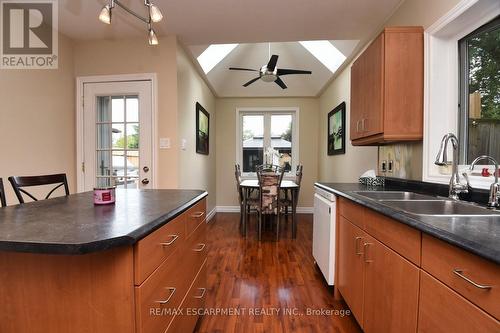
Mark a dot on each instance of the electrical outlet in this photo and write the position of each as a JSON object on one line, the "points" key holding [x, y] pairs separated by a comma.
{"points": [[383, 167], [164, 143], [391, 166]]}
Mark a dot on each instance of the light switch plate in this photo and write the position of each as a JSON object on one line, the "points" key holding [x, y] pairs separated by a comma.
{"points": [[164, 143], [183, 144]]}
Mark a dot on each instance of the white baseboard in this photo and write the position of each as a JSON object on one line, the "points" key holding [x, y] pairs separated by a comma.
{"points": [[211, 214], [236, 209]]}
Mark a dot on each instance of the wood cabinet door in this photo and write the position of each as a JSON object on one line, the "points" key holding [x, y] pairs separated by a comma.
{"points": [[357, 99], [350, 266], [443, 310], [391, 290], [372, 121]]}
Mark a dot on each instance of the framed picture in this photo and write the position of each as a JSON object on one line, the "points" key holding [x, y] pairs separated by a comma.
{"points": [[202, 130], [336, 130]]}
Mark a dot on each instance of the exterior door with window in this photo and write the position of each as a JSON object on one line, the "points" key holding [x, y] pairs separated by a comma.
{"points": [[117, 135]]}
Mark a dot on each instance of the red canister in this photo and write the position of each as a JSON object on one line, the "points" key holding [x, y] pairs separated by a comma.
{"points": [[104, 196]]}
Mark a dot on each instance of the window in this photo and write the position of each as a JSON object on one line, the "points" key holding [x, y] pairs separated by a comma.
{"points": [[480, 92], [267, 137]]}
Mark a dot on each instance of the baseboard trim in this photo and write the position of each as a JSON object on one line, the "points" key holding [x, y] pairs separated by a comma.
{"points": [[236, 209], [211, 214]]}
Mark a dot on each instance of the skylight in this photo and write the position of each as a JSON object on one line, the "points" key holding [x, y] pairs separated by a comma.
{"points": [[325, 52], [213, 55]]}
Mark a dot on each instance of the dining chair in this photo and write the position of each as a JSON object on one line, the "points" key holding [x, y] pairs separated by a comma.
{"points": [[251, 201], [3, 201], [18, 184], [269, 194], [286, 198]]}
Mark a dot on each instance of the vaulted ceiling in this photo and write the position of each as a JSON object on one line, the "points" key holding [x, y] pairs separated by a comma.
{"points": [[252, 24]]}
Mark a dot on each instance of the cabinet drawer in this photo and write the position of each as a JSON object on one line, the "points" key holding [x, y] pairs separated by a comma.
{"points": [[194, 302], [196, 250], [161, 294], [151, 251], [401, 238], [442, 260], [443, 310], [351, 211], [195, 215]]}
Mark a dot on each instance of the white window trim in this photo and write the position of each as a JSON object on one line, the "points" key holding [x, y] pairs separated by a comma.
{"points": [[295, 111], [80, 81], [441, 114]]}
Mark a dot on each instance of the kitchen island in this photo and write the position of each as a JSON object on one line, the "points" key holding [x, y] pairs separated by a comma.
{"points": [[69, 266]]}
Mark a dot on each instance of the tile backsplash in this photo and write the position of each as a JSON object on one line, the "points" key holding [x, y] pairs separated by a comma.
{"points": [[401, 160]]}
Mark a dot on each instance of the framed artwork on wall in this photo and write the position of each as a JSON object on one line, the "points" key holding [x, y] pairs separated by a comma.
{"points": [[336, 130], [202, 130]]}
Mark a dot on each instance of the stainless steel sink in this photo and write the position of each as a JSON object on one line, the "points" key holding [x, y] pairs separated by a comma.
{"points": [[395, 195], [441, 208]]}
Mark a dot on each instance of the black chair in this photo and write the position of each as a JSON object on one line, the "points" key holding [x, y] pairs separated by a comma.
{"points": [[19, 182], [3, 202]]}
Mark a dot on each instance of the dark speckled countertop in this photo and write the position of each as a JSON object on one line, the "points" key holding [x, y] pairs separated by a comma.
{"points": [[73, 225], [477, 234]]}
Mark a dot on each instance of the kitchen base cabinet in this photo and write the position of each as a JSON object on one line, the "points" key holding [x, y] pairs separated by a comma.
{"points": [[443, 310], [350, 267], [391, 290], [129, 289]]}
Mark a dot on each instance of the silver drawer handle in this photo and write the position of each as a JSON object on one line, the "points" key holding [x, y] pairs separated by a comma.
{"points": [[358, 243], [203, 291], [365, 248], [202, 247], [198, 215], [460, 273], [170, 242], [172, 292]]}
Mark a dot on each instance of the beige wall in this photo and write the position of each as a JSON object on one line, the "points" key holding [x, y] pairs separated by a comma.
{"points": [[357, 159], [196, 171], [37, 120], [129, 56], [226, 143]]}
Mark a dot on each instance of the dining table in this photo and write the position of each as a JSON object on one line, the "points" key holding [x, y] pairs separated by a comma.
{"points": [[248, 185]]}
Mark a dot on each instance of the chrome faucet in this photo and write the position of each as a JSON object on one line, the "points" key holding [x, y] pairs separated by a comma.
{"points": [[456, 186], [494, 199]]}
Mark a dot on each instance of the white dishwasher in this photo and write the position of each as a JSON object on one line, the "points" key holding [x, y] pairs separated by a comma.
{"points": [[324, 233]]}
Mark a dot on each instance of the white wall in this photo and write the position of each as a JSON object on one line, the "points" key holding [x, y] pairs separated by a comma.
{"points": [[196, 171]]}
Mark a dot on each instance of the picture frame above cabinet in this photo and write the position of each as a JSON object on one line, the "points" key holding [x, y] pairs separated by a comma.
{"points": [[387, 82]]}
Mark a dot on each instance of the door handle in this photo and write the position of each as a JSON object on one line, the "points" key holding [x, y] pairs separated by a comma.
{"points": [[145, 169], [365, 248], [460, 273], [145, 181], [357, 126], [172, 292], [363, 125]]}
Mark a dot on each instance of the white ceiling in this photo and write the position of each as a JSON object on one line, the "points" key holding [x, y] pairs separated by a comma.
{"points": [[199, 23], [292, 55]]}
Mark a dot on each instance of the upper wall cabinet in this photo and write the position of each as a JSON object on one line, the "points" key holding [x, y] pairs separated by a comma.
{"points": [[387, 88]]}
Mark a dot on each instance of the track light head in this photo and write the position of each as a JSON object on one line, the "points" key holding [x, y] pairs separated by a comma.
{"points": [[155, 13], [105, 15], [152, 38]]}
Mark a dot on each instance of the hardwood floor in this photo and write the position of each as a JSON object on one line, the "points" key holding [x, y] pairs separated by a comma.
{"points": [[273, 285]]}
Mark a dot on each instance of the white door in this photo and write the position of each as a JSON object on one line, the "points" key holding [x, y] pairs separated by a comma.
{"points": [[117, 135]]}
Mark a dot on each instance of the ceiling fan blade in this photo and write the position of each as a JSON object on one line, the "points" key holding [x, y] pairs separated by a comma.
{"points": [[242, 69], [251, 81], [272, 63], [283, 71], [280, 83]]}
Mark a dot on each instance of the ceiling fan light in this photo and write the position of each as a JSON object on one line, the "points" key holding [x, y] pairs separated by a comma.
{"points": [[155, 13], [105, 15], [152, 38]]}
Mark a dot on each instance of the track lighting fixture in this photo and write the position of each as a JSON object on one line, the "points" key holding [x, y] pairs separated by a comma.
{"points": [[154, 15]]}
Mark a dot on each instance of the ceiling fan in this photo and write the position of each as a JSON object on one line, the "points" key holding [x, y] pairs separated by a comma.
{"points": [[270, 72]]}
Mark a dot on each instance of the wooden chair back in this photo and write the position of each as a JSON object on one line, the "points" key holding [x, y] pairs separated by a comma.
{"points": [[270, 184], [3, 201], [298, 174], [237, 176], [18, 184]]}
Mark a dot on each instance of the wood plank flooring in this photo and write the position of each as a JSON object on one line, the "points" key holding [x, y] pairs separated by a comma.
{"points": [[267, 286]]}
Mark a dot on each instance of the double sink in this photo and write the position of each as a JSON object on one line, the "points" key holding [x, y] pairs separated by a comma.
{"points": [[426, 205]]}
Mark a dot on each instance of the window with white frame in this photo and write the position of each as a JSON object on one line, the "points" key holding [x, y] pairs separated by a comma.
{"points": [[267, 136]]}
